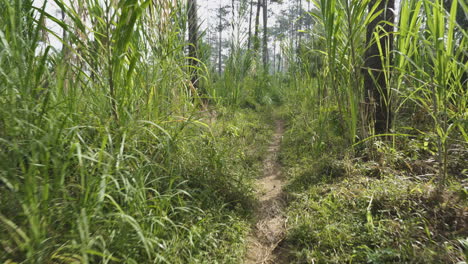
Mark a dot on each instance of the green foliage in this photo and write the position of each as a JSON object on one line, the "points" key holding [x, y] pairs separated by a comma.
{"points": [[171, 192], [108, 155], [357, 210], [426, 70], [105, 156], [243, 84]]}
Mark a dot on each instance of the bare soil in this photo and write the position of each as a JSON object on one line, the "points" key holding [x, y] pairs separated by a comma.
{"points": [[269, 230]]}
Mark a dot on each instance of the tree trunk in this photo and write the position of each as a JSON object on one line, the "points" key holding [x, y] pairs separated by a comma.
{"points": [[274, 56], [220, 60], [193, 41], [220, 41], [233, 27], [377, 91], [257, 27], [300, 22], [308, 10], [249, 40], [265, 35], [280, 62]]}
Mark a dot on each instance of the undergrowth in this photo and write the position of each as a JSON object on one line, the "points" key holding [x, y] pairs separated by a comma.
{"points": [[107, 154], [177, 191], [374, 204]]}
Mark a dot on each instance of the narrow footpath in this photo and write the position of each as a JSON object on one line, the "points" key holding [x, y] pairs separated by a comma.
{"points": [[269, 230]]}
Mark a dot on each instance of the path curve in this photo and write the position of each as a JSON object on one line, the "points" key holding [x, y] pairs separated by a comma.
{"points": [[269, 230]]}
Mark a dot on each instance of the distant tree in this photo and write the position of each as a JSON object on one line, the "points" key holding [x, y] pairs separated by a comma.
{"points": [[300, 20], [233, 24], [265, 35], [249, 40], [222, 23], [257, 27], [193, 40]]}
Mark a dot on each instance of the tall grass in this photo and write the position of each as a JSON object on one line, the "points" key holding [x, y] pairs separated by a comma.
{"points": [[431, 54], [336, 50], [426, 70], [97, 140], [363, 197]]}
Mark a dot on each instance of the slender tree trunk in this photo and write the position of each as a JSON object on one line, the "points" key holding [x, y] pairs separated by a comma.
{"points": [[265, 35], [300, 22], [220, 41], [274, 56], [308, 10], [292, 28], [280, 62], [233, 28], [296, 27], [257, 27], [220, 59], [249, 40], [193, 42], [377, 92]]}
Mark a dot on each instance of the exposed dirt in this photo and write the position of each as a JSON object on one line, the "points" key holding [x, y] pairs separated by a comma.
{"points": [[269, 230]]}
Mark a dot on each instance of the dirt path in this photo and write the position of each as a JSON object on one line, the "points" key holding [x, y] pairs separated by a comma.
{"points": [[269, 230]]}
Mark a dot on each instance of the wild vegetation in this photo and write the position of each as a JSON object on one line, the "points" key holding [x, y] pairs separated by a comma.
{"points": [[382, 176], [131, 134]]}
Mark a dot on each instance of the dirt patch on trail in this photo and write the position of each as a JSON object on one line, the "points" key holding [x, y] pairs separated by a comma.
{"points": [[269, 230]]}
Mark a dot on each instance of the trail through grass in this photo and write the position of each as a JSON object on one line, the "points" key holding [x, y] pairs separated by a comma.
{"points": [[269, 230]]}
